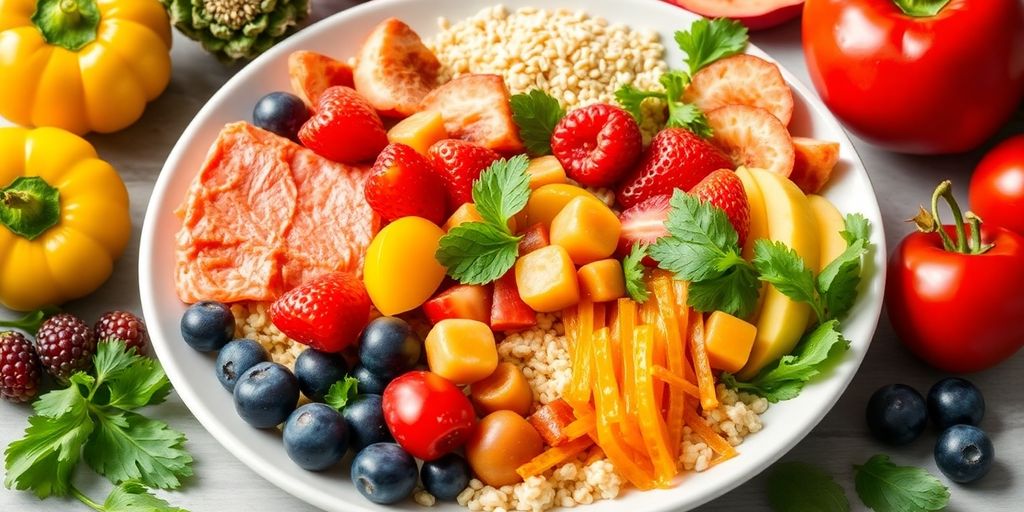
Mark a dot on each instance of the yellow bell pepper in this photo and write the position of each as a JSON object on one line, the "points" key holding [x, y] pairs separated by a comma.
{"points": [[82, 65], [64, 218]]}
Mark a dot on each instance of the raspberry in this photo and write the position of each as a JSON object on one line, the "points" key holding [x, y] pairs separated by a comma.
{"points": [[66, 345], [123, 326], [597, 144], [19, 368]]}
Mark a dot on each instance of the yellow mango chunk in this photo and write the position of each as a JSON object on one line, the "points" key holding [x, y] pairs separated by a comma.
{"points": [[400, 271], [548, 200], [546, 279], [468, 213], [587, 229], [545, 170], [728, 341], [419, 131], [602, 280], [461, 350]]}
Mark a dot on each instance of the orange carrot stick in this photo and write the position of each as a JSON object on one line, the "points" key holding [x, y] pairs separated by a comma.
{"points": [[577, 392], [674, 348], [580, 427], [663, 374], [604, 381], [705, 380], [627, 322], [553, 457], [714, 441], [652, 425]]}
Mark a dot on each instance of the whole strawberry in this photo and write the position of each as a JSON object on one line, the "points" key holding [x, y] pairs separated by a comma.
{"points": [[403, 183], [19, 368], [65, 345], [597, 144], [345, 128], [123, 326], [724, 189], [459, 163], [677, 158], [326, 313]]}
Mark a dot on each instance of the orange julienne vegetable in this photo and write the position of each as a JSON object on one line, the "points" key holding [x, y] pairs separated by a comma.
{"points": [[595, 454], [604, 383], [626, 322], [621, 457], [705, 380], [674, 348], [665, 375], [652, 425], [714, 441], [582, 426], [577, 393], [554, 456]]}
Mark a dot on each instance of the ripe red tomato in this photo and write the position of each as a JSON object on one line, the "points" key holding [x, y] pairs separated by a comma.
{"points": [[997, 187], [428, 415]]}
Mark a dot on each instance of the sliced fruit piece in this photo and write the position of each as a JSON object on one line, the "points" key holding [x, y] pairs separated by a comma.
{"points": [[459, 163], [419, 131], [508, 311], [813, 163], [344, 127], [602, 280], [724, 190], [758, 212], [546, 279], [728, 341], [471, 302], [830, 222], [401, 272], [742, 80], [551, 420], [394, 69], [462, 351], [545, 170], [535, 237], [402, 183], [476, 108], [752, 137], [468, 213], [597, 144], [313, 73], [677, 158], [587, 229], [755, 14], [547, 201], [643, 223]]}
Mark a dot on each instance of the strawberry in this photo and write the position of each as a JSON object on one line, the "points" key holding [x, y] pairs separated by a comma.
{"points": [[394, 69], [345, 128], [326, 313], [312, 73], [724, 190], [742, 80], [643, 223], [459, 164], [402, 183], [508, 311], [535, 237], [597, 144], [752, 137], [472, 302], [477, 108], [677, 158]]}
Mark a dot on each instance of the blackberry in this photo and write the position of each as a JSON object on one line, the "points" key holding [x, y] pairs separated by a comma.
{"points": [[66, 345], [123, 326], [19, 368]]}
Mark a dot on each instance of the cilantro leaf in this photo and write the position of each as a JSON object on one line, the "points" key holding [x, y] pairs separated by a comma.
{"points": [[536, 113], [886, 487], [838, 281], [42, 461], [128, 446], [58, 402], [112, 358], [799, 487], [858, 227], [341, 392], [477, 252], [709, 40], [689, 116], [633, 271], [141, 384], [734, 292], [783, 268], [697, 222], [133, 496], [631, 100], [502, 190], [31, 321]]}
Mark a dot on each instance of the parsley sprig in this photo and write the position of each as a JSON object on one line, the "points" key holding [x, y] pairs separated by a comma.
{"points": [[342, 392], [886, 487], [633, 272], [536, 113]]}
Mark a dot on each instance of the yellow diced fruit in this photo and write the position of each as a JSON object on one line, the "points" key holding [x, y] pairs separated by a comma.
{"points": [[587, 229], [545, 170], [546, 279], [419, 131], [547, 201], [728, 341], [462, 351], [468, 213], [602, 280], [400, 271]]}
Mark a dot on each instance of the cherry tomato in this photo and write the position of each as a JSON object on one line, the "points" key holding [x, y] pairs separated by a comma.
{"points": [[997, 187], [428, 415]]}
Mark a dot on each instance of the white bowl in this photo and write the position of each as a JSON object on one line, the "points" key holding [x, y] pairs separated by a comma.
{"points": [[193, 375]]}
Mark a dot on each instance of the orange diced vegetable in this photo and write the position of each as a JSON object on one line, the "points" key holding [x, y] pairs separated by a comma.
{"points": [[605, 384], [460, 350], [714, 441], [545, 202], [577, 393], [546, 279], [551, 421], [728, 340], [505, 389], [602, 280], [545, 171], [419, 131], [468, 213], [587, 229], [705, 380], [652, 425], [554, 456], [665, 375]]}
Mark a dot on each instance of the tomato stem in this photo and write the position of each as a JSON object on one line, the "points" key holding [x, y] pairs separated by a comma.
{"points": [[932, 223]]}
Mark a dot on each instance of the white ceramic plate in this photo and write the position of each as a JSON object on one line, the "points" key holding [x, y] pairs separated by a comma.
{"points": [[193, 375]]}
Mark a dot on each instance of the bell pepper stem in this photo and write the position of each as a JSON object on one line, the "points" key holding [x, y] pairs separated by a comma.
{"points": [[29, 206]]}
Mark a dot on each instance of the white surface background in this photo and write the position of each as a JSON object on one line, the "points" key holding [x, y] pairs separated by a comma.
{"points": [[223, 484]]}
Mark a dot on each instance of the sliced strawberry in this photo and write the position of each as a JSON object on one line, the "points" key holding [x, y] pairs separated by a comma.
{"points": [[676, 159], [394, 69], [508, 311], [724, 189], [643, 223], [813, 163], [742, 80], [535, 237], [597, 144], [313, 73], [471, 302], [752, 137], [476, 108], [459, 164], [326, 313], [345, 128], [402, 183]]}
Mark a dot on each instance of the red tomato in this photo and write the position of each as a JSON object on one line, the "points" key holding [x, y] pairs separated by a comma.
{"points": [[428, 415], [921, 83], [997, 187]]}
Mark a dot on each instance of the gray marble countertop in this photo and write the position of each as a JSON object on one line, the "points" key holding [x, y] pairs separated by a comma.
{"points": [[224, 484]]}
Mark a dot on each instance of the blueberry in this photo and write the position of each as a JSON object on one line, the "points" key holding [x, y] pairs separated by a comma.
{"points": [[388, 346], [896, 414], [281, 113], [207, 326], [953, 401], [964, 453], [370, 382], [317, 371], [266, 394], [235, 358], [446, 477], [365, 418], [315, 437], [384, 473]]}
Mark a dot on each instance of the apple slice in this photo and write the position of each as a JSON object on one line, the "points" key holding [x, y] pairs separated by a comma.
{"points": [[395, 70], [312, 73], [752, 137], [813, 163], [476, 108], [742, 80], [755, 14]]}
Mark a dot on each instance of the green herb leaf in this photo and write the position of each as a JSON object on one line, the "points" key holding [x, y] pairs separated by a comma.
{"points": [[709, 40], [502, 190], [631, 100], [633, 270], [42, 461], [734, 292], [838, 281], [59, 402], [111, 359], [690, 117], [342, 392], [536, 113], [128, 446], [477, 252], [30, 322], [886, 487], [141, 384], [784, 269], [133, 496], [858, 227], [799, 487]]}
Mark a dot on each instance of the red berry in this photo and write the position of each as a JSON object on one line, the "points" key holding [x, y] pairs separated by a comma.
{"points": [[402, 183], [345, 128], [19, 368], [677, 158], [326, 313], [644, 223], [459, 163], [66, 345], [597, 144], [724, 189], [122, 326]]}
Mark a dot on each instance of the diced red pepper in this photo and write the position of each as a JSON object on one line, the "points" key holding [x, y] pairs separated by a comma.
{"points": [[508, 311]]}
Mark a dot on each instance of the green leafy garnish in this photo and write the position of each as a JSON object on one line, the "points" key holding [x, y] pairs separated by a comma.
{"points": [[709, 40], [536, 113], [630, 99], [31, 321], [633, 271], [886, 487], [342, 392], [131, 496], [781, 266], [502, 190], [799, 487]]}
